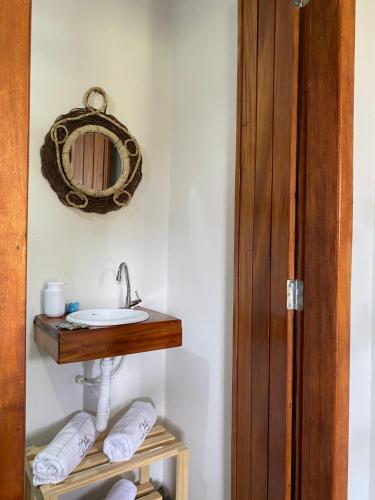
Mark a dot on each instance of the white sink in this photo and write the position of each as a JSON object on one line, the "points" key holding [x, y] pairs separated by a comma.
{"points": [[107, 317]]}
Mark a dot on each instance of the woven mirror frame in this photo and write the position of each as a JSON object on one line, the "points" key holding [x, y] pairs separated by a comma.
{"points": [[56, 158]]}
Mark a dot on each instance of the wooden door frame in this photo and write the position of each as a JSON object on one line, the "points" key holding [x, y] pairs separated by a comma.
{"points": [[319, 448], [14, 160], [325, 245]]}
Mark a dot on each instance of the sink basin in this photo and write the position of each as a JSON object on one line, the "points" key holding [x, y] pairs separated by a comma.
{"points": [[107, 317]]}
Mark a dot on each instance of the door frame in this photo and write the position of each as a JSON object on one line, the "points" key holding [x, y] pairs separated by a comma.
{"points": [[318, 445], [325, 247], [14, 145]]}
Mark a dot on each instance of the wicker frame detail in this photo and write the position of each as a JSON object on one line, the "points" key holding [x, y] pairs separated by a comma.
{"points": [[57, 169]]}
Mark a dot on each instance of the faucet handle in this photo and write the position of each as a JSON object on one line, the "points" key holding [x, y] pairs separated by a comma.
{"points": [[137, 301]]}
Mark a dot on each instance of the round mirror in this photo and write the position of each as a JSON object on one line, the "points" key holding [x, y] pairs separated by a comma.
{"points": [[95, 161], [91, 160]]}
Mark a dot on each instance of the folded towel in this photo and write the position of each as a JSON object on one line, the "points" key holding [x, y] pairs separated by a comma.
{"points": [[122, 490], [129, 432], [66, 450]]}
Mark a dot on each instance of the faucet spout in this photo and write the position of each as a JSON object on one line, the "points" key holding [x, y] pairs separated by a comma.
{"points": [[124, 270]]}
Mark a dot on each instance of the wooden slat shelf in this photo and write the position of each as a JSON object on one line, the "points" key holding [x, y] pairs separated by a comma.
{"points": [[160, 331], [159, 445]]}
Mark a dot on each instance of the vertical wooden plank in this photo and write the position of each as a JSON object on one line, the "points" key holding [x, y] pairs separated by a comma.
{"points": [[262, 251], [107, 164], [88, 160], [77, 158], [182, 469], [283, 248], [327, 102], [14, 124], [99, 166], [245, 172], [299, 317], [28, 490], [298, 344], [144, 474], [344, 241]]}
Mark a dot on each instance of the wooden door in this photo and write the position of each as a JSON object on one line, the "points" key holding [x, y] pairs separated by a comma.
{"points": [[265, 249], [14, 123], [293, 220]]}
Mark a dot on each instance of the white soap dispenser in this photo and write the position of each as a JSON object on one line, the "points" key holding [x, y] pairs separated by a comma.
{"points": [[54, 299]]}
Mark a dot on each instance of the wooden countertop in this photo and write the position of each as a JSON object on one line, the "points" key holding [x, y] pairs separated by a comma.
{"points": [[159, 331]]}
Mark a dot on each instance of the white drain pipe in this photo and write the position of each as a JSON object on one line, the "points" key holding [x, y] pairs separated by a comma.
{"points": [[81, 379], [102, 416]]}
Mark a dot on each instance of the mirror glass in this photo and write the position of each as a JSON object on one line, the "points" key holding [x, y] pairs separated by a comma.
{"points": [[96, 161]]}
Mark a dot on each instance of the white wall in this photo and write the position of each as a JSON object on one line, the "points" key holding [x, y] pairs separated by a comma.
{"points": [[201, 234], [124, 47], [362, 401], [170, 70]]}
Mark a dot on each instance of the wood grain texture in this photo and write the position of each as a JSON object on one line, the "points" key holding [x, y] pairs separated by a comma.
{"points": [[14, 124], [299, 264], [327, 32], [283, 249], [243, 272], [160, 331], [261, 259], [264, 255], [100, 161], [88, 159], [77, 153]]}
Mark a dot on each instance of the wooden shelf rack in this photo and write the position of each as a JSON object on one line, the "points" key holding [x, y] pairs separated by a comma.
{"points": [[95, 467]]}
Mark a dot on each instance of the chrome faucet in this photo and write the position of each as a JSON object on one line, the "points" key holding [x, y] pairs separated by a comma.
{"points": [[123, 267]]}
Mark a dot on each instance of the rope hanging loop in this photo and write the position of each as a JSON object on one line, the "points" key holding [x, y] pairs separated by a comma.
{"points": [[100, 91]]}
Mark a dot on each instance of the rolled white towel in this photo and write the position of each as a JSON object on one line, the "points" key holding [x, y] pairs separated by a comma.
{"points": [[129, 432], [122, 490], [66, 450]]}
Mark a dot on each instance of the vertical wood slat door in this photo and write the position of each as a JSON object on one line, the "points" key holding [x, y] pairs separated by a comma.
{"points": [[293, 444], [14, 124], [264, 260]]}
